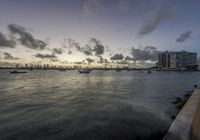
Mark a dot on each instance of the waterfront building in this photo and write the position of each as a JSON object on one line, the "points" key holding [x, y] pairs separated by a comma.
{"points": [[164, 60], [177, 60]]}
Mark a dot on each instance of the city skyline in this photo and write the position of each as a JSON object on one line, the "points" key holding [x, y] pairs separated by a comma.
{"points": [[96, 31]]}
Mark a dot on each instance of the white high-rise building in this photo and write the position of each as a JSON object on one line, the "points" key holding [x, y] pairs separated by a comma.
{"points": [[177, 60]]}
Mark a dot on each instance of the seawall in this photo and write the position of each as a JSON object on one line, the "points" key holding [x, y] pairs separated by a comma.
{"points": [[186, 126]]}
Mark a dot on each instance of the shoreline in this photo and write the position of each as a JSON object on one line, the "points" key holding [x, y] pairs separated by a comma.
{"points": [[103, 69]]}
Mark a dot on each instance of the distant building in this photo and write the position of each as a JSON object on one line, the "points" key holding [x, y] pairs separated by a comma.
{"points": [[177, 60]]}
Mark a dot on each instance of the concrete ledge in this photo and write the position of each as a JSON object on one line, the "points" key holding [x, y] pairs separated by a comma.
{"points": [[185, 124], [196, 125]]}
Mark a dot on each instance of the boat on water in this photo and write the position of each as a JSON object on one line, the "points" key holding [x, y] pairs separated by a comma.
{"points": [[149, 71], [84, 71], [17, 72]]}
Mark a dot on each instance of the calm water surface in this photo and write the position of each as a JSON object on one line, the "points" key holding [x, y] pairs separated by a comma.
{"points": [[103, 105]]}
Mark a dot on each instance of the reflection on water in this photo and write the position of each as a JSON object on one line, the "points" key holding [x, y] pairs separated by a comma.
{"points": [[101, 105]]}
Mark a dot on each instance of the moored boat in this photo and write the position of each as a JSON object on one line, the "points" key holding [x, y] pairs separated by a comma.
{"points": [[84, 71], [17, 72]]}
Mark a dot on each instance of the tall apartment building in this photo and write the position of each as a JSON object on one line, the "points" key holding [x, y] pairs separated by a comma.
{"points": [[177, 60]]}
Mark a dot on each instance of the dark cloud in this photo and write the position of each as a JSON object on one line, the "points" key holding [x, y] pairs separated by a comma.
{"points": [[94, 47], [101, 60], [26, 38], [148, 53], [98, 48], [70, 44], [57, 50], [117, 57], [73, 44], [87, 50], [89, 60], [5, 43], [8, 56], [128, 58], [46, 56], [184, 36], [158, 16]]}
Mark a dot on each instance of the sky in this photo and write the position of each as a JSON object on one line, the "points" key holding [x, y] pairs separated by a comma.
{"points": [[96, 31]]}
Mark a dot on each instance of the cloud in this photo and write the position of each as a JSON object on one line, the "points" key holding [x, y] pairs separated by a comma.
{"points": [[5, 43], [57, 50], [93, 47], [156, 18], [98, 48], [148, 53], [73, 44], [117, 57], [128, 58], [26, 38], [184, 36], [8, 56], [46, 56], [101, 60], [70, 44], [150, 47], [79, 62], [89, 60], [91, 6], [87, 50], [7, 64]]}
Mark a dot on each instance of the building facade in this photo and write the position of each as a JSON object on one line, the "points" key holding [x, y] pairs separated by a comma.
{"points": [[177, 60]]}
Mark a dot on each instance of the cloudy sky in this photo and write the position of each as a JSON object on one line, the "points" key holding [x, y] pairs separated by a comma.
{"points": [[96, 31]]}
